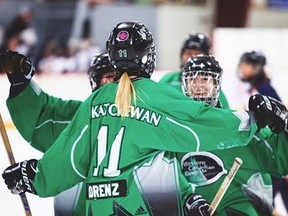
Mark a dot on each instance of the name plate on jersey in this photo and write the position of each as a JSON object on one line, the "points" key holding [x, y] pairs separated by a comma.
{"points": [[102, 190]]}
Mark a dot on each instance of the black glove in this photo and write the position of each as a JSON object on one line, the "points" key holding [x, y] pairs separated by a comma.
{"points": [[269, 111], [19, 177], [19, 70], [196, 205]]}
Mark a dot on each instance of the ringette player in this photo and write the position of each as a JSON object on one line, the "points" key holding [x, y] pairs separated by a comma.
{"points": [[194, 43], [52, 120], [113, 135], [250, 193], [37, 114]]}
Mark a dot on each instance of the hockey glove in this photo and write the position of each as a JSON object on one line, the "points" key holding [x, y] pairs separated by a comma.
{"points": [[19, 177], [196, 205], [269, 111], [19, 70]]}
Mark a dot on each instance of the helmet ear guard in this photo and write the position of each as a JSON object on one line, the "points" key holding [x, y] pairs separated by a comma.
{"points": [[131, 49]]}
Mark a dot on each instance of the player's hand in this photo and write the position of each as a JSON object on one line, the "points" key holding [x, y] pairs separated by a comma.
{"points": [[18, 67], [269, 111], [19, 177], [196, 205]]}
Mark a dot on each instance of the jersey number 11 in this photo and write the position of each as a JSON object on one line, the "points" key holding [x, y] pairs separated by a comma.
{"points": [[112, 169]]}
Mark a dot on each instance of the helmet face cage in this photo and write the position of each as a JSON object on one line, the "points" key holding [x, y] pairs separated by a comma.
{"points": [[197, 41], [201, 79], [202, 86], [131, 49], [99, 66]]}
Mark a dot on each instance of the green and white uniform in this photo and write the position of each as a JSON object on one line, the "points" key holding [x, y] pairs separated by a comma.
{"points": [[111, 153], [174, 79], [37, 115], [40, 119], [250, 193]]}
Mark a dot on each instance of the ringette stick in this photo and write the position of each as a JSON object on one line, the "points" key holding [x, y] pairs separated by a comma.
{"points": [[12, 161], [225, 184]]}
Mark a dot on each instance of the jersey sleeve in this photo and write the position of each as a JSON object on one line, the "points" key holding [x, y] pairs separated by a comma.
{"points": [[37, 115], [67, 157], [271, 152], [211, 129]]}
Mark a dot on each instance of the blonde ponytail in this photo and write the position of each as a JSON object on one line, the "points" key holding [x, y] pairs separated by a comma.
{"points": [[124, 95]]}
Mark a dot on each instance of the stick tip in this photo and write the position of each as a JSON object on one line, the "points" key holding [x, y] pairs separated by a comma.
{"points": [[238, 160]]}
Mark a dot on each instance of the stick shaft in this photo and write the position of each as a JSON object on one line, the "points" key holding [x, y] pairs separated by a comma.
{"points": [[225, 184], [12, 161]]}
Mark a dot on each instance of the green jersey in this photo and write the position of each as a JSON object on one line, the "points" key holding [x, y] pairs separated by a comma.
{"points": [[37, 115], [250, 193], [174, 79], [111, 153]]}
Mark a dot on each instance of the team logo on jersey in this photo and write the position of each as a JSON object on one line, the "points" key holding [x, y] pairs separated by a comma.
{"points": [[122, 36], [102, 190], [202, 168]]}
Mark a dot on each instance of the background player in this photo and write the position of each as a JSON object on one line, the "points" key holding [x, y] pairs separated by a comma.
{"points": [[250, 193], [195, 43], [251, 69]]}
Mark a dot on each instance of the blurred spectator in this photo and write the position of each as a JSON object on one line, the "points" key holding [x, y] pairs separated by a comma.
{"points": [[84, 48], [84, 54], [19, 34], [251, 69], [73, 58], [53, 59]]}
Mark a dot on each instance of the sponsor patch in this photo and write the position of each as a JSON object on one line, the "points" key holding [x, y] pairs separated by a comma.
{"points": [[102, 190], [202, 168]]}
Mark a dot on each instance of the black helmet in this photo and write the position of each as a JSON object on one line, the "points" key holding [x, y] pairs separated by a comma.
{"points": [[258, 60], [99, 66], [131, 49], [197, 41], [253, 57], [207, 68]]}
